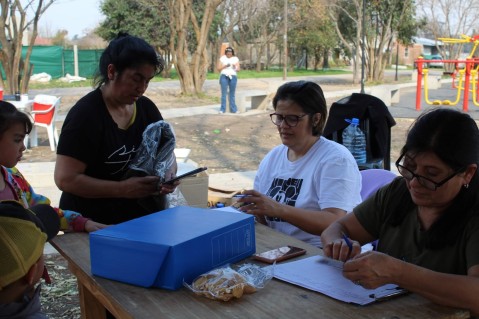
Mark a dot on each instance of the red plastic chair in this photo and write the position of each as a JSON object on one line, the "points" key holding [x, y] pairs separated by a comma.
{"points": [[44, 111]]}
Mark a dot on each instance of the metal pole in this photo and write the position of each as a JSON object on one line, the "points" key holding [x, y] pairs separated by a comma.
{"points": [[75, 60], [285, 39], [397, 59], [363, 57]]}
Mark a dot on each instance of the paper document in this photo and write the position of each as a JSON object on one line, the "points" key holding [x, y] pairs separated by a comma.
{"points": [[324, 275], [230, 209]]}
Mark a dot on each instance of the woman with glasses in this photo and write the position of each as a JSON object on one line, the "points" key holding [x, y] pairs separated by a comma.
{"points": [[228, 65], [427, 221], [309, 181]]}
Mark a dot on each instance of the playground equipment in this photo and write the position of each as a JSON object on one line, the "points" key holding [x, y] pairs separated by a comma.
{"points": [[467, 76]]}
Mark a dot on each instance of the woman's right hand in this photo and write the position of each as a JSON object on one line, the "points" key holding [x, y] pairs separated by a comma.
{"points": [[139, 187], [91, 226]]}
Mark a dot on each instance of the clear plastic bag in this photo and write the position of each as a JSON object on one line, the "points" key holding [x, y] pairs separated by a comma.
{"points": [[155, 156], [176, 199], [225, 283]]}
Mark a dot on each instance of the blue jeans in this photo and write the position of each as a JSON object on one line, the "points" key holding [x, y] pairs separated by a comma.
{"points": [[226, 83]]}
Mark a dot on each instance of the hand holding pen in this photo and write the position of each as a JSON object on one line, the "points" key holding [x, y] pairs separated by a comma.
{"points": [[252, 202], [342, 248], [353, 248]]}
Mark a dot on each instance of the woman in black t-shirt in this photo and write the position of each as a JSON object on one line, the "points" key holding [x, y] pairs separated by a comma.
{"points": [[103, 131]]}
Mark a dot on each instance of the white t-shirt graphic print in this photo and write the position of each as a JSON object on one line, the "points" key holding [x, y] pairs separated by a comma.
{"points": [[327, 176]]}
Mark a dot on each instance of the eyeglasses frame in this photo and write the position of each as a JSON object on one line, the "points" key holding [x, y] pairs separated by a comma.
{"points": [[419, 177], [286, 121]]}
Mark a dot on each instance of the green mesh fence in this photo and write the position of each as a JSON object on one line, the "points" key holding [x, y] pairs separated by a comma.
{"points": [[57, 61], [46, 59], [88, 61]]}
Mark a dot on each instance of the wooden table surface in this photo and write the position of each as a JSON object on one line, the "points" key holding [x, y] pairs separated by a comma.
{"points": [[277, 300]]}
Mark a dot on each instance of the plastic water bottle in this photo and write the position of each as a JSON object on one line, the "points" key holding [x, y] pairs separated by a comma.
{"points": [[355, 140]]}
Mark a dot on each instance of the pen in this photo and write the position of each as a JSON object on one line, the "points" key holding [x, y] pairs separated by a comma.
{"points": [[240, 196], [348, 242]]}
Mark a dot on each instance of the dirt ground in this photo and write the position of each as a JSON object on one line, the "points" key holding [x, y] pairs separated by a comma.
{"points": [[223, 143]]}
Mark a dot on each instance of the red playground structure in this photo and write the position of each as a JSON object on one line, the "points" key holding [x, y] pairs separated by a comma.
{"points": [[465, 76]]}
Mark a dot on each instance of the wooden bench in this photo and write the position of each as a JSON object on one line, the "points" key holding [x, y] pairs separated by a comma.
{"points": [[251, 99]]}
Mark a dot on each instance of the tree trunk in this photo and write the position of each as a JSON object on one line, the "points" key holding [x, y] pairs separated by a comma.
{"points": [[13, 24], [355, 46], [326, 59], [192, 74]]}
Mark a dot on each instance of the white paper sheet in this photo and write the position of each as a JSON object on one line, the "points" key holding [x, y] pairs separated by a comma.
{"points": [[230, 209], [324, 275]]}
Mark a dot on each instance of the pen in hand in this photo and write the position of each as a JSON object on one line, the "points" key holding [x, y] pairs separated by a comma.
{"points": [[348, 242]]}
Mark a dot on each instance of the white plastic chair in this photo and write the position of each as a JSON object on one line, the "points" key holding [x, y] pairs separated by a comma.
{"points": [[44, 109]]}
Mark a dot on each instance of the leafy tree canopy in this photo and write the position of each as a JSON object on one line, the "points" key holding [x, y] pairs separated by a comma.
{"points": [[136, 18]]}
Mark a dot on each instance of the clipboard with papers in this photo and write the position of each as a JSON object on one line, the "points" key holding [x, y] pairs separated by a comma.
{"points": [[324, 275]]}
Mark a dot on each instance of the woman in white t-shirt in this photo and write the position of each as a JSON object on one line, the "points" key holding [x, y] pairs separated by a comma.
{"points": [[228, 65], [308, 181]]}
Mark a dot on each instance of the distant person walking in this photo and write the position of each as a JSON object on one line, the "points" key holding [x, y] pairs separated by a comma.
{"points": [[228, 65]]}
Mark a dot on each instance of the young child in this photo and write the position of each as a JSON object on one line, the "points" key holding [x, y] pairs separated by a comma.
{"points": [[23, 233], [14, 125]]}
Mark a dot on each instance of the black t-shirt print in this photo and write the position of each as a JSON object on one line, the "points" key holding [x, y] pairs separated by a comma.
{"points": [[284, 192]]}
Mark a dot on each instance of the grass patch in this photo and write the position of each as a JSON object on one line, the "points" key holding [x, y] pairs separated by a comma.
{"points": [[55, 83], [246, 74], [251, 74]]}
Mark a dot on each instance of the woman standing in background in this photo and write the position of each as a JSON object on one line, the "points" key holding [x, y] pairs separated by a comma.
{"points": [[228, 66]]}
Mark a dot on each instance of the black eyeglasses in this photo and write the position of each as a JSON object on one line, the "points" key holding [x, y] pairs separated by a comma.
{"points": [[290, 120], [424, 181]]}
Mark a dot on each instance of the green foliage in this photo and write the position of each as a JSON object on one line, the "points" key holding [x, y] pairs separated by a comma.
{"points": [[60, 38], [136, 18], [347, 20], [403, 14], [311, 30]]}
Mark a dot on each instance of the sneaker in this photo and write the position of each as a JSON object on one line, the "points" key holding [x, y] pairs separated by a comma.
{"points": [[220, 112], [237, 112]]}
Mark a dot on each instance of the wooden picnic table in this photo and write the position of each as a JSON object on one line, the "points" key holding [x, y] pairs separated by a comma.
{"points": [[277, 300]]}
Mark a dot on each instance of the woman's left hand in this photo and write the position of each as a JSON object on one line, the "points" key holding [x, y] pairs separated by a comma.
{"points": [[168, 188], [372, 269]]}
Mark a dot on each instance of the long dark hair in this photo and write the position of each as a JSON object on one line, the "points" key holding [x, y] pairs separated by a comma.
{"points": [[9, 115], [309, 96], [127, 51], [230, 49], [454, 138]]}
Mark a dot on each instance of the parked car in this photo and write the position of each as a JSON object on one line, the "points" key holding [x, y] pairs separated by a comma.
{"points": [[435, 64]]}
